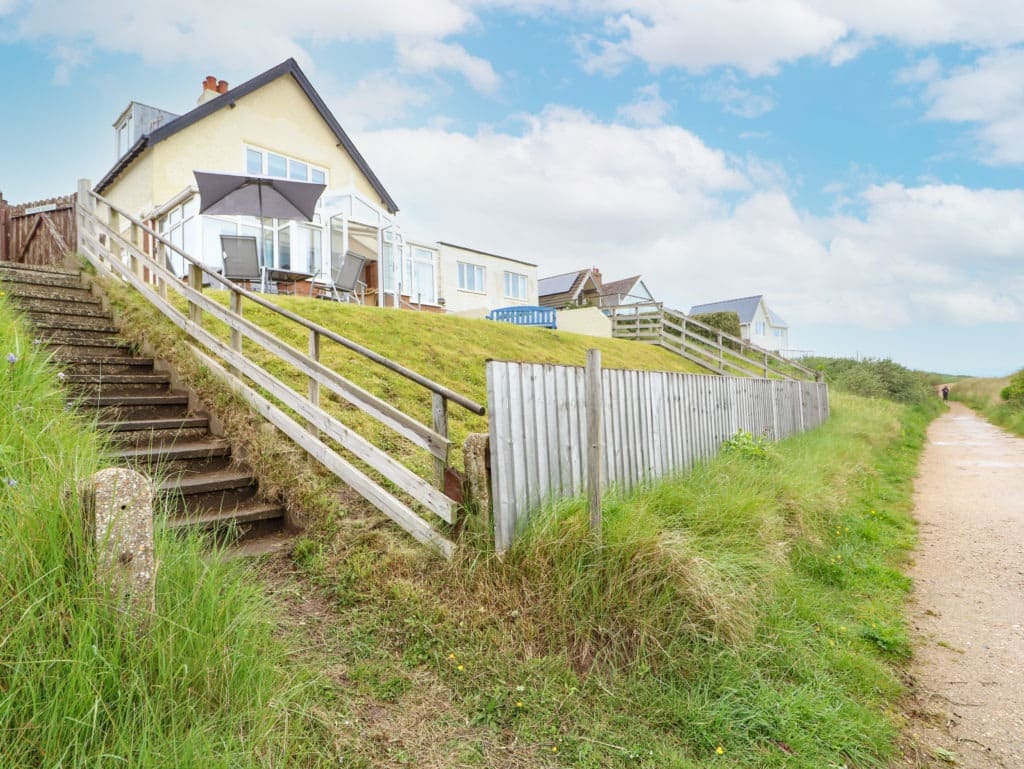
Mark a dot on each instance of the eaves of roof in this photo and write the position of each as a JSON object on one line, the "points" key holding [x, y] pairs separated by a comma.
{"points": [[288, 67]]}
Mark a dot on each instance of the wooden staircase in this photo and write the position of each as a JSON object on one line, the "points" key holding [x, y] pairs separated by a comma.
{"points": [[151, 425]]}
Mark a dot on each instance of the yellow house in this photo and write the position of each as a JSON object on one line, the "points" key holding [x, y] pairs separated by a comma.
{"points": [[277, 125]]}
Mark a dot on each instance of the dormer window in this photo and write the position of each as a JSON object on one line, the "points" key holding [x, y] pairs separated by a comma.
{"points": [[124, 132]]}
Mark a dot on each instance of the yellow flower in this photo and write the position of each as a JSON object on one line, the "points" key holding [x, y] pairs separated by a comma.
{"points": [[720, 750], [451, 656], [461, 667], [519, 704], [554, 748]]}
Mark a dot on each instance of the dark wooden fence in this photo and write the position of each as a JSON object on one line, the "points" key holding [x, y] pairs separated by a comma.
{"points": [[41, 232]]}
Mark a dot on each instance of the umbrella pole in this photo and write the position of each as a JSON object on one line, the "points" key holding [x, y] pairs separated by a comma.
{"points": [[263, 251]]}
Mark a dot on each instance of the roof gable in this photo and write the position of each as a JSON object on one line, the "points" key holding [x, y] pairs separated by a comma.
{"points": [[745, 307], [288, 67]]}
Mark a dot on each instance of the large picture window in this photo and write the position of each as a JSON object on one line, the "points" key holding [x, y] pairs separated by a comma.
{"points": [[471, 277]]}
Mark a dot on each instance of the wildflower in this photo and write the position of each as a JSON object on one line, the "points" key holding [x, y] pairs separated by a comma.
{"points": [[61, 376], [720, 750], [519, 704], [12, 358], [554, 748], [461, 667], [11, 482], [451, 656], [36, 342]]}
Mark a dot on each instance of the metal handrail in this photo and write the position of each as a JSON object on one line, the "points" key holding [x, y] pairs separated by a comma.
{"points": [[398, 368]]}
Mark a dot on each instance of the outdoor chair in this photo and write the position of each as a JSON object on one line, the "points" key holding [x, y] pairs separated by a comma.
{"points": [[344, 284], [241, 258]]}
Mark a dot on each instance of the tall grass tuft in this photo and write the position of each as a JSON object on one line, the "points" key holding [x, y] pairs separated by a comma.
{"points": [[82, 683]]}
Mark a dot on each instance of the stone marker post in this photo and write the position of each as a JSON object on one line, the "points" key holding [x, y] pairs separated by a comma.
{"points": [[119, 509]]}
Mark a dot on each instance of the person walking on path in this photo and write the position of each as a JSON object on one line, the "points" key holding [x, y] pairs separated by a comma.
{"points": [[945, 392]]}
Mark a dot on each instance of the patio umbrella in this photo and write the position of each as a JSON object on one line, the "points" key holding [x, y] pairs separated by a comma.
{"points": [[259, 196]]}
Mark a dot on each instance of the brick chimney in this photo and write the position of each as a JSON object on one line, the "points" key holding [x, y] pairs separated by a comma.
{"points": [[212, 88]]}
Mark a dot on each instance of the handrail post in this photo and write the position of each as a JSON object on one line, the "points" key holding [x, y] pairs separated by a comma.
{"points": [[721, 354], [86, 204], [161, 259], [134, 237], [195, 281], [235, 305], [766, 365], [314, 383], [440, 424]]}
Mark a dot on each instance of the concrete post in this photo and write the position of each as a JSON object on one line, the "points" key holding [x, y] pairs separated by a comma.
{"points": [[119, 510]]}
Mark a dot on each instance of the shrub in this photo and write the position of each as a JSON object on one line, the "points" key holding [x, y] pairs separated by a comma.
{"points": [[1013, 393], [728, 322], [874, 378]]}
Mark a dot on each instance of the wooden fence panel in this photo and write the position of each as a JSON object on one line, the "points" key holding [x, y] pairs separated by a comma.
{"points": [[42, 232], [654, 424]]}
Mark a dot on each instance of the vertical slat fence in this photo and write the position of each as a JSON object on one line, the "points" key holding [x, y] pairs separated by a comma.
{"points": [[652, 424]]}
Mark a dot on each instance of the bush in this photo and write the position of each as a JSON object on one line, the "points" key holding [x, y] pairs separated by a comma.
{"points": [[1013, 393], [727, 322], [874, 378]]}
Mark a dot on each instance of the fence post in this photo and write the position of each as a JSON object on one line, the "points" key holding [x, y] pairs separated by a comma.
{"points": [[721, 354], [4, 213], [195, 281], [765, 363], [440, 413], [595, 407], [161, 258], [314, 383], [85, 203]]}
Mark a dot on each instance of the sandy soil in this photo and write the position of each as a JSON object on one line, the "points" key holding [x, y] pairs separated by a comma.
{"points": [[968, 605]]}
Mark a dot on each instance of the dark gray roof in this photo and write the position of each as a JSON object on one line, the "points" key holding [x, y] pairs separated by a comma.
{"points": [[556, 284], [288, 67], [744, 307]]}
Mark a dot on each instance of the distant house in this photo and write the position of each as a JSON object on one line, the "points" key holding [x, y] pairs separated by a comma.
{"points": [[758, 323], [277, 125], [582, 288], [626, 291]]}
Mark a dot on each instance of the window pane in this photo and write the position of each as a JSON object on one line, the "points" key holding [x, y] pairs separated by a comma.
{"points": [[284, 247], [298, 171], [424, 287], [253, 162], [317, 176], [276, 165]]}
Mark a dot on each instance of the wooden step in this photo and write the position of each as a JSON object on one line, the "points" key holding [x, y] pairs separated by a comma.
{"points": [[54, 269], [103, 378], [250, 512], [55, 309], [80, 295], [88, 305], [173, 451], [155, 425], [70, 322], [140, 399], [81, 363], [37, 278], [230, 479]]}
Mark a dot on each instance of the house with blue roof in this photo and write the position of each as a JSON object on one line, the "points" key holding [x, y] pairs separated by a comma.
{"points": [[759, 324]]}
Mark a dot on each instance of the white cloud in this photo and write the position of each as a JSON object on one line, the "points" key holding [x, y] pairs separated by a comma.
{"points": [[570, 191], [990, 95], [377, 99], [735, 99], [648, 109], [432, 55]]}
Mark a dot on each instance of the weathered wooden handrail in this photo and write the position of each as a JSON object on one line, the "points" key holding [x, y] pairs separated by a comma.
{"points": [[398, 368], [656, 316], [119, 254]]}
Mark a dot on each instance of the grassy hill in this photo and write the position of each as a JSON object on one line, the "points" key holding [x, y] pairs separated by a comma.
{"points": [[746, 614], [986, 396]]}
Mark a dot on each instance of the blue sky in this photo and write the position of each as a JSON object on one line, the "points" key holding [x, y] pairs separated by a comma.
{"points": [[857, 162]]}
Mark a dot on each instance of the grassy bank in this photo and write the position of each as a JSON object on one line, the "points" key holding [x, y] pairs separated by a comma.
{"points": [[199, 683], [747, 614], [984, 395]]}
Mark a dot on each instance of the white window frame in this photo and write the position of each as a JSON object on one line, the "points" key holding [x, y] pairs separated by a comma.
{"points": [[288, 161], [521, 281], [125, 125], [461, 272]]}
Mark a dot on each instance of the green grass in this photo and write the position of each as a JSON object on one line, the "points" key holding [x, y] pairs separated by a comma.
{"points": [[755, 604], [983, 395], [200, 682]]}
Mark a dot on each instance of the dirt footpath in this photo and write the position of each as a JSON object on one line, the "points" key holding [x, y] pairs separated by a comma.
{"points": [[968, 606]]}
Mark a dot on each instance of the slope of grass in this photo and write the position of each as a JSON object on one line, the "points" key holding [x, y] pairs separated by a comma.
{"points": [[747, 614], [983, 395], [199, 683]]}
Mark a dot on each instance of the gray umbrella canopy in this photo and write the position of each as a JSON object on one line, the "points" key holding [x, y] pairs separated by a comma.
{"points": [[262, 196]]}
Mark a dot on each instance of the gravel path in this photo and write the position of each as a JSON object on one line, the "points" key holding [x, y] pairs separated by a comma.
{"points": [[968, 605]]}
